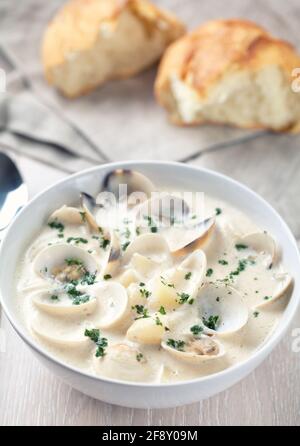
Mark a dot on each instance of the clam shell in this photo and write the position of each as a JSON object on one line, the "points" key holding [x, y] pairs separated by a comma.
{"points": [[128, 363], [137, 184], [67, 215], [56, 255], [262, 243], [112, 304], [59, 337], [152, 246], [285, 282], [42, 300], [192, 356], [224, 302]]}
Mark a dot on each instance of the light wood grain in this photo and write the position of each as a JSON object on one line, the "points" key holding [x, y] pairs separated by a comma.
{"points": [[30, 395]]}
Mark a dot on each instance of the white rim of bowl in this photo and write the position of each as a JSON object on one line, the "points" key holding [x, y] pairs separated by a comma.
{"points": [[267, 345]]}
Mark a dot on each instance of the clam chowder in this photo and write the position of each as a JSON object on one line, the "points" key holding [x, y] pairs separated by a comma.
{"points": [[148, 288]]}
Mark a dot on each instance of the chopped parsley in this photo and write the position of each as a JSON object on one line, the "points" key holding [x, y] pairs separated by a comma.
{"points": [[158, 321], [72, 261], [107, 276], [211, 322], [267, 297], [77, 296], [55, 224], [162, 310], [151, 224], [188, 276], [127, 233], [145, 293], [60, 235], [177, 345], [164, 282], [77, 240], [101, 343], [88, 278], [223, 262], [196, 329], [125, 246], [209, 272], [141, 310], [218, 211], [183, 297], [139, 357], [255, 313], [104, 242], [241, 246], [83, 216], [54, 297]]}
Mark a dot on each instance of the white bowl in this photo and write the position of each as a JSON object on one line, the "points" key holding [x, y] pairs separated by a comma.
{"points": [[33, 216]]}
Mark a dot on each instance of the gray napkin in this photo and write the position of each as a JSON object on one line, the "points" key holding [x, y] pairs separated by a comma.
{"points": [[121, 120]]}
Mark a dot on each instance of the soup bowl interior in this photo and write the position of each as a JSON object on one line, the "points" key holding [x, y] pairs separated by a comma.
{"points": [[175, 176]]}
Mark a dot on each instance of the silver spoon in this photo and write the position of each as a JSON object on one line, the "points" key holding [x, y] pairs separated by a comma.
{"points": [[13, 194], [13, 191]]}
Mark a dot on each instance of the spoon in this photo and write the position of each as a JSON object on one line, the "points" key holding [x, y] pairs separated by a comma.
{"points": [[13, 194], [13, 191]]}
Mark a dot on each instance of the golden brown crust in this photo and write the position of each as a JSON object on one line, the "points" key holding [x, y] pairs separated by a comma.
{"points": [[203, 57], [76, 26]]}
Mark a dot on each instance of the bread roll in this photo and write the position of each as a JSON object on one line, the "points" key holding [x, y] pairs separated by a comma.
{"points": [[92, 41], [230, 72]]}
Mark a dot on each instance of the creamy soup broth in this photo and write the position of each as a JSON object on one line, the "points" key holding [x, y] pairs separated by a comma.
{"points": [[144, 303]]}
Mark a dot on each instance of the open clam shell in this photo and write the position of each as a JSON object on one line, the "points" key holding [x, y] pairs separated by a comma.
{"points": [[261, 243], [64, 262], [152, 246], [221, 309], [284, 283], [195, 351], [123, 361], [129, 184], [61, 336], [112, 304], [67, 215], [55, 305], [193, 237]]}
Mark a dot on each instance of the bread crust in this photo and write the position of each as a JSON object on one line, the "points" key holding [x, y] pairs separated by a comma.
{"points": [[202, 58], [76, 26]]}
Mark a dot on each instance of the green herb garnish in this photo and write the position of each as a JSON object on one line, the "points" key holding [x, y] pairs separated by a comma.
{"points": [[101, 343], [188, 276], [162, 310], [107, 276], [196, 329], [241, 246], [77, 240], [211, 322], [177, 345], [209, 272]]}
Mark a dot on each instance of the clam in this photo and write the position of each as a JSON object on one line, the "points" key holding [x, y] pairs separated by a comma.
{"points": [[64, 263], [284, 282], [166, 209], [125, 362], [144, 266], [193, 237], [114, 256], [67, 215], [112, 304], [57, 305], [90, 207], [194, 351], [149, 330], [261, 243], [61, 336], [152, 246], [129, 184], [221, 309]]}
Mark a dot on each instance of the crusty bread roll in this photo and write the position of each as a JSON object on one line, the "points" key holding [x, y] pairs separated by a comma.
{"points": [[230, 72], [91, 41]]}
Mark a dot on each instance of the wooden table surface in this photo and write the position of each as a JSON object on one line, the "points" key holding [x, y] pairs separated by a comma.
{"points": [[29, 394]]}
